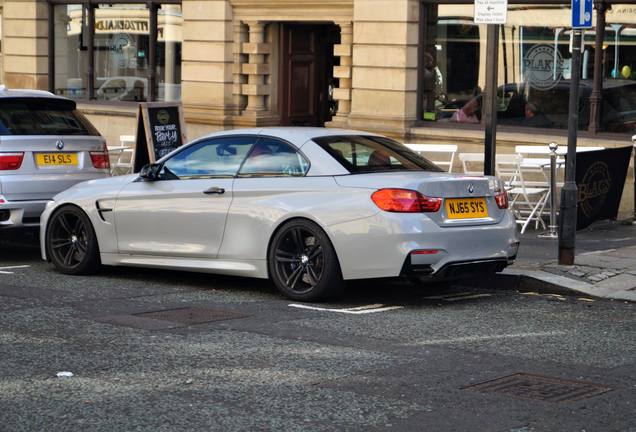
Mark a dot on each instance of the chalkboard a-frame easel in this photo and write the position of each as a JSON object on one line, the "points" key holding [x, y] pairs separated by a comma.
{"points": [[160, 130]]}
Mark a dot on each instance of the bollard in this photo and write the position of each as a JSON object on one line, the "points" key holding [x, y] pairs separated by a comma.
{"points": [[634, 169], [552, 227]]}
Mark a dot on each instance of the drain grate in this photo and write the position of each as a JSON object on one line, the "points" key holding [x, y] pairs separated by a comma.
{"points": [[191, 315], [528, 386]]}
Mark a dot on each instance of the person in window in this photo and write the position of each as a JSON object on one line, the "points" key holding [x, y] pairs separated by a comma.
{"points": [[379, 159], [469, 113], [433, 83], [534, 117]]}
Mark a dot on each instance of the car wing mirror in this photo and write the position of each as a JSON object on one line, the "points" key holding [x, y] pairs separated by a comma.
{"points": [[150, 172]]}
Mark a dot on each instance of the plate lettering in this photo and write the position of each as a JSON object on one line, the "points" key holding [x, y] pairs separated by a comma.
{"points": [[466, 208]]}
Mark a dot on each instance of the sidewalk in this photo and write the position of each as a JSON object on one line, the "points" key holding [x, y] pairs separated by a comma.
{"points": [[605, 263]]}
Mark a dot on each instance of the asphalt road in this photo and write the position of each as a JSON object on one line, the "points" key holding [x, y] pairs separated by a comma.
{"points": [[174, 351]]}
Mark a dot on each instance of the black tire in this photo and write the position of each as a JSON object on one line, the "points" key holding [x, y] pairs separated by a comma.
{"points": [[303, 263], [71, 244]]}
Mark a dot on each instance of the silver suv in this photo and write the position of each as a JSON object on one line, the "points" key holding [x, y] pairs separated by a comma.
{"points": [[46, 146]]}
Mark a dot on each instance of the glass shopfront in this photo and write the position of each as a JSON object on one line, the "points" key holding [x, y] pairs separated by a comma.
{"points": [[120, 35], [121, 52], [534, 67]]}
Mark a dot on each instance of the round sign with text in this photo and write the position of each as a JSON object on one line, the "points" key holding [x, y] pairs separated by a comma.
{"points": [[594, 188], [543, 67]]}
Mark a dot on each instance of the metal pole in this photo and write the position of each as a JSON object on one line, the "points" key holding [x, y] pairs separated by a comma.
{"points": [[490, 102], [634, 169], [51, 70], [91, 51], [569, 193], [596, 96], [152, 52], [552, 233]]}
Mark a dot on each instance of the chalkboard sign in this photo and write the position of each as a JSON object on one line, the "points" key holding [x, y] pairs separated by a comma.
{"points": [[160, 130]]}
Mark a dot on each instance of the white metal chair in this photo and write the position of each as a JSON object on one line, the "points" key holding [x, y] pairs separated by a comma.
{"points": [[438, 151], [122, 156], [472, 163], [528, 202]]}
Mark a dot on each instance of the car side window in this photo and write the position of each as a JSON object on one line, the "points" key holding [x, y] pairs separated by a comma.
{"points": [[220, 157], [271, 157]]}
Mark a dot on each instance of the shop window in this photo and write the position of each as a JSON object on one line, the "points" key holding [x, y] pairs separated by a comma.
{"points": [[169, 53], [71, 52], [118, 41], [121, 52], [534, 67]]}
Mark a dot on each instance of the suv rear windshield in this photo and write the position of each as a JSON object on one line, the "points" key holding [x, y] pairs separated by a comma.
{"points": [[42, 116], [363, 154]]}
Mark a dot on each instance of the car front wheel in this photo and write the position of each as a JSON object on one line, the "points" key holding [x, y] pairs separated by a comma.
{"points": [[302, 262], [71, 243]]}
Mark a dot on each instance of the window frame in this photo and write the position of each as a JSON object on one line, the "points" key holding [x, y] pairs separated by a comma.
{"points": [[405, 152], [90, 5], [282, 141], [422, 40], [211, 140]]}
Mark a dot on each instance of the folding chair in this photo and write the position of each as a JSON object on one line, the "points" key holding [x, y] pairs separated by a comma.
{"points": [[438, 151], [121, 157], [527, 202], [471, 162]]}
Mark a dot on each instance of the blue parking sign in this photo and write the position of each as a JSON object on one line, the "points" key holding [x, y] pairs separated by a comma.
{"points": [[582, 13]]}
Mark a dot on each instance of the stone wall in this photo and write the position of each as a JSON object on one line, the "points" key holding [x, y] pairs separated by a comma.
{"points": [[385, 45], [25, 44]]}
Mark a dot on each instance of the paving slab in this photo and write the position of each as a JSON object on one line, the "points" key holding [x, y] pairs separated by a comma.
{"points": [[605, 265]]}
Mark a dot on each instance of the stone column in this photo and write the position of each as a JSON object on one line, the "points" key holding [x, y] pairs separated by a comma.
{"points": [[256, 69], [343, 72], [385, 61], [240, 37], [24, 44], [206, 67]]}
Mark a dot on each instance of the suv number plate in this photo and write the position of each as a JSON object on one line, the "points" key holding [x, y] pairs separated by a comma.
{"points": [[56, 159]]}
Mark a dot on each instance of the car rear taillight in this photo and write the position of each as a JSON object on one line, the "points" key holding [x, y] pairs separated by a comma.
{"points": [[100, 159], [11, 161], [405, 201], [501, 197], [425, 252]]}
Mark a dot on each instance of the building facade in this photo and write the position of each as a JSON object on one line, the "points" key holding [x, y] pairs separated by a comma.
{"points": [[409, 68]]}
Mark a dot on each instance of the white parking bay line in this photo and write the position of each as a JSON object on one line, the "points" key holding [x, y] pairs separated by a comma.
{"points": [[359, 310], [487, 337], [3, 269], [466, 297]]}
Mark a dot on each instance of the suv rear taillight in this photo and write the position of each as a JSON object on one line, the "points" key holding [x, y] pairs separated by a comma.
{"points": [[405, 201], [11, 161], [501, 197], [100, 159]]}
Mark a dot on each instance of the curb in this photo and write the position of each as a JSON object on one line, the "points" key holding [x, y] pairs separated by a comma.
{"points": [[547, 283]]}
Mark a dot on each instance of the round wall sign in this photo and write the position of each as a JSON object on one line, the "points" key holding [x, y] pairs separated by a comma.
{"points": [[543, 67]]}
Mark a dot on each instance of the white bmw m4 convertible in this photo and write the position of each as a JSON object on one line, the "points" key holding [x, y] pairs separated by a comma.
{"points": [[307, 207]]}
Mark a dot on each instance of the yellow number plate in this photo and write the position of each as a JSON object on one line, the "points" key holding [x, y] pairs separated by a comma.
{"points": [[56, 159], [466, 208]]}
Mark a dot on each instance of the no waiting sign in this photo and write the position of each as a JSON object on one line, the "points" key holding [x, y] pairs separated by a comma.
{"points": [[491, 11]]}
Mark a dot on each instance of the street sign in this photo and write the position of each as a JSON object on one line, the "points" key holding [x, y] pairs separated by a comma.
{"points": [[490, 11], [582, 13]]}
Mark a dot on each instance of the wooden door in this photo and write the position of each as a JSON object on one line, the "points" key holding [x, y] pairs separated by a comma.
{"points": [[306, 70]]}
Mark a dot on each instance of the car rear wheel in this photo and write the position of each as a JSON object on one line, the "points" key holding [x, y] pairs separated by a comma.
{"points": [[71, 243], [302, 262]]}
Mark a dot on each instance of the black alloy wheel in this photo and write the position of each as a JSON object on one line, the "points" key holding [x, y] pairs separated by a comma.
{"points": [[303, 263], [71, 243]]}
